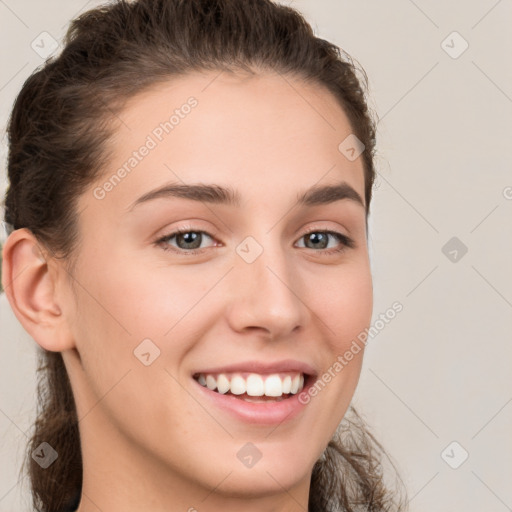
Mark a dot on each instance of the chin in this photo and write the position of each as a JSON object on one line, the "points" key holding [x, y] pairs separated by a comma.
{"points": [[275, 470], [259, 482]]}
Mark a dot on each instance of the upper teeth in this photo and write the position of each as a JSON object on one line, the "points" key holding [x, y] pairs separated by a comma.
{"points": [[254, 384]]}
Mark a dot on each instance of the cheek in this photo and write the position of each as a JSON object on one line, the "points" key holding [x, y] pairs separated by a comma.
{"points": [[128, 311], [346, 305], [345, 308], [147, 302], [118, 307]]}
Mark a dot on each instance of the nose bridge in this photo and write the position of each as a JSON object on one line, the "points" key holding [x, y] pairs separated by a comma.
{"points": [[273, 273], [266, 289]]}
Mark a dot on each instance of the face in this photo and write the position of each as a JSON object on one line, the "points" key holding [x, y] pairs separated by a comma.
{"points": [[259, 291]]}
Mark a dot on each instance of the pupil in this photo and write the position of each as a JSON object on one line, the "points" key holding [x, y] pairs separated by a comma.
{"points": [[317, 237], [194, 236]]}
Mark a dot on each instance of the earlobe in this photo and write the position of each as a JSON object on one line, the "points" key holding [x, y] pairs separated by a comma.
{"points": [[30, 286]]}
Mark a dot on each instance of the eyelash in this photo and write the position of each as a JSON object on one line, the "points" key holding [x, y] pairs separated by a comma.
{"points": [[346, 242]]}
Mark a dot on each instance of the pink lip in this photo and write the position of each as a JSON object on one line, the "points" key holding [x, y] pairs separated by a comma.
{"points": [[268, 413], [287, 365]]}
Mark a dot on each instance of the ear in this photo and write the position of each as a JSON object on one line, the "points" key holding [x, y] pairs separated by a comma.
{"points": [[30, 284]]}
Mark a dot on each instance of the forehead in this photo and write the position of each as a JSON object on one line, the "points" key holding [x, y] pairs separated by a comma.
{"points": [[235, 129]]}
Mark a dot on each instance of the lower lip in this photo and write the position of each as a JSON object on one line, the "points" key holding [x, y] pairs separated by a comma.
{"points": [[262, 413]]}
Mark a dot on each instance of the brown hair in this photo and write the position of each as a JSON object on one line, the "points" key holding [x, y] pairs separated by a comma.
{"points": [[58, 146]]}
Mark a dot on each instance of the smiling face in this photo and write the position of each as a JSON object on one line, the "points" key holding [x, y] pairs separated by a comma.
{"points": [[269, 283]]}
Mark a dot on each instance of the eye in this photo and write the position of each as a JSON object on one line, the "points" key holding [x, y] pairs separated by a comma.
{"points": [[189, 241], [319, 239]]}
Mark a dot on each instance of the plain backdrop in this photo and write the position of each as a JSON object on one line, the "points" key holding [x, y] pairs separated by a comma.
{"points": [[436, 384]]}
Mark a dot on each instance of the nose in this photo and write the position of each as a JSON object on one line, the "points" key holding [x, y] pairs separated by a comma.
{"points": [[267, 295]]}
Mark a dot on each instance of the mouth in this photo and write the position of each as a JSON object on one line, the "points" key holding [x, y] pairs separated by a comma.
{"points": [[257, 392], [255, 387]]}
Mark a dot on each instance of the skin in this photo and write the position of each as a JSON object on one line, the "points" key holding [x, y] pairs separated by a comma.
{"points": [[149, 440]]}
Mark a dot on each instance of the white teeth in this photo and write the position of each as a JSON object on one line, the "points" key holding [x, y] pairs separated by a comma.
{"points": [[238, 385], [222, 384], [287, 384], [255, 385], [211, 382], [273, 386], [295, 384]]}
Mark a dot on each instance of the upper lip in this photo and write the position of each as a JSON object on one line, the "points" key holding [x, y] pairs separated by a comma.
{"points": [[285, 365]]}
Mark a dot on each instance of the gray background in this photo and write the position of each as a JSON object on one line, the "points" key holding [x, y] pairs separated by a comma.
{"points": [[440, 371]]}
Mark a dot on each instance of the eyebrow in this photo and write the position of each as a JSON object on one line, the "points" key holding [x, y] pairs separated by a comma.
{"points": [[217, 194]]}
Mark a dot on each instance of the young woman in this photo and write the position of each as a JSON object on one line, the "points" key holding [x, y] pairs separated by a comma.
{"points": [[189, 186]]}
